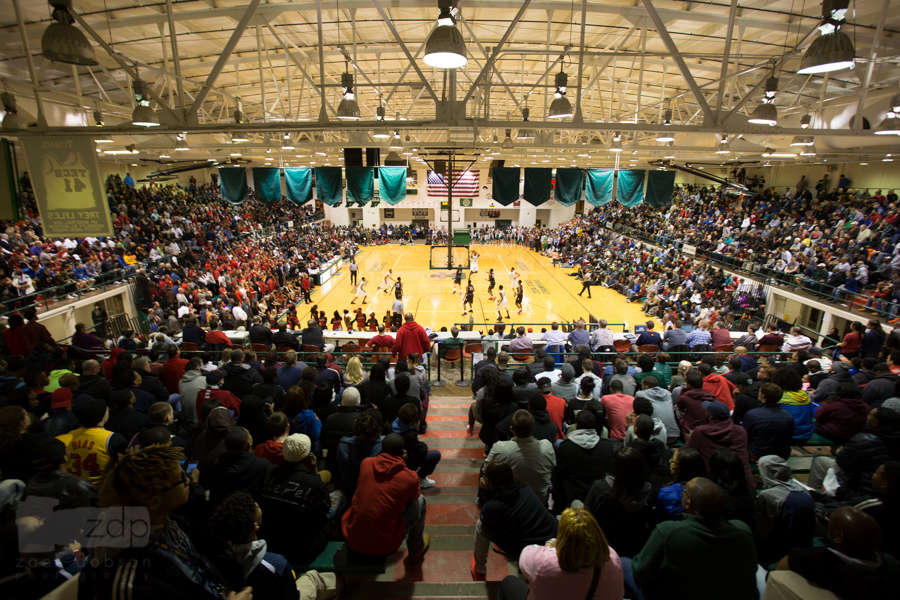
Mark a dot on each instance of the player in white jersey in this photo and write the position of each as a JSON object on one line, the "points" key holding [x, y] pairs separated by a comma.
{"points": [[361, 292], [502, 304], [388, 280], [474, 266]]}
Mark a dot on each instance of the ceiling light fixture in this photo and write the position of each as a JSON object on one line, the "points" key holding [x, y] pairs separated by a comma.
{"points": [[12, 121], [181, 143], [380, 134], [808, 150], [833, 50], [525, 134], [803, 140], [616, 145], [560, 108], [508, 143], [769, 153], [891, 123], [348, 109], [665, 137], [805, 121], [724, 146], [143, 115], [445, 48], [667, 119], [62, 41], [766, 113], [396, 144]]}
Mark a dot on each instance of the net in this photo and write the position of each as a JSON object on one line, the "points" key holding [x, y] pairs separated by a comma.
{"points": [[441, 260]]}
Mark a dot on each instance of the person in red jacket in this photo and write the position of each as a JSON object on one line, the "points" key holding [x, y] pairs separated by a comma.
{"points": [[411, 337], [214, 336], [842, 415], [690, 403], [717, 385], [223, 397], [387, 505], [381, 339], [720, 432], [173, 369]]}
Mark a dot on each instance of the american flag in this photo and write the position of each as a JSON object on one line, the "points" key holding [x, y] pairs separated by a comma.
{"points": [[465, 184]]}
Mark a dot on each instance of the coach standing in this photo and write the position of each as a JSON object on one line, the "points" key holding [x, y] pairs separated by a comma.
{"points": [[411, 337]]}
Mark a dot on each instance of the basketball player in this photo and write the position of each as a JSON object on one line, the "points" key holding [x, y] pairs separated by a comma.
{"points": [[520, 293], [470, 297], [513, 278], [398, 289], [457, 280], [491, 283], [385, 285], [474, 266], [361, 292], [503, 304]]}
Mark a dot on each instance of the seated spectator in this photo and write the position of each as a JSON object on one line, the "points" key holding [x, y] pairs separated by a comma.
{"points": [[857, 462], [291, 372], [521, 344], [691, 402], [842, 415], [677, 553], [388, 507], [795, 341], [216, 421], [512, 517], [213, 391], [93, 383], [770, 428], [91, 448], [272, 449], [785, 512], [62, 419], [643, 406], [382, 339], [582, 458], [237, 521], [214, 336], [720, 432], [62, 366], [301, 416], [522, 388], [663, 409], [364, 443], [717, 385], [532, 460], [727, 471], [686, 464], [173, 369], [239, 376], [746, 398], [544, 428], [237, 469], [795, 401], [649, 337], [565, 388], [154, 478], [580, 559], [150, 383], [269, 390], [302, 514], [390, 407], [419, 458], [284, 338], [647, 364], [621, 502], [852, 566], [620, 370], [881, 387], [617, 405], [188, 388], [656, 454], [884, 506]]}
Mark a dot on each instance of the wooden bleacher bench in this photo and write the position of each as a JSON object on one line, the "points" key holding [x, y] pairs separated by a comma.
{"points": [[337, 558]]}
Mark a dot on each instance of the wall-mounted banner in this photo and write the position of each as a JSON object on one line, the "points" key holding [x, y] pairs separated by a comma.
{"points": [[65, 176], [688, 249]]}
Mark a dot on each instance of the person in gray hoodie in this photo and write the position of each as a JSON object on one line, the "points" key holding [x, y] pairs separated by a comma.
{"points": [[565, 387], [840, 373], [190, 385], [643, 406], [663, 409], [785, 511]]}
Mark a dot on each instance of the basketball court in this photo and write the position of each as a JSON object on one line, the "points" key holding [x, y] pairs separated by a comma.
{"points": [[550, 293]]}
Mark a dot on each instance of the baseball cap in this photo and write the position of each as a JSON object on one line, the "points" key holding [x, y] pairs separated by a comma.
{"points": [[61, 398], [544, 385], [716, 409], [215, 378]]}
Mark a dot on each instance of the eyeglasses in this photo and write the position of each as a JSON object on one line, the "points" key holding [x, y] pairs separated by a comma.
{"points": [[185, 480]]}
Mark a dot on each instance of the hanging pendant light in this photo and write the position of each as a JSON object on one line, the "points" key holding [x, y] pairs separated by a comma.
{"points": [[527, 133], [808, 150], [724, 146], [670, 151], [396, 144], [445, 48], [62, 41], [805, 120], [143, 115], [616, 145], [803, 140], [766, 113], [891, 123], [287, 143], [380, 134], [12, 121], [507, 143], [560, 108], [667, 117], [348, 109], [665, 137], [833, 50]]}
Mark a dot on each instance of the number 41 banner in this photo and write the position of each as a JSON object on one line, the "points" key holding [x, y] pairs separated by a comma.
{"points": [[65, 176]]}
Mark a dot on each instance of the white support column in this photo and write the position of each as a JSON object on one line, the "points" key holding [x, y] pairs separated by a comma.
{"points": [[826, 326], [527, 215], [338, 216], [371, 217]]}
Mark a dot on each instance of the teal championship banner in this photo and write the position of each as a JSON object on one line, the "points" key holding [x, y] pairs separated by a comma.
{"points": [[65, 176]]}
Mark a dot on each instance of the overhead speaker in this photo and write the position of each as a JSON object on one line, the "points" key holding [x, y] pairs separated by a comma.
{"points": [[353, 157], [440, 166]]}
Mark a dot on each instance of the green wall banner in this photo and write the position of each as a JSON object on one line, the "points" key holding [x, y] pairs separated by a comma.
{"points": [[65, 176], [392, 184], [233, 181], [360, 184], [505, 186], [298, 183], [630, 186], [329, 188], [538, 185], [599, 186], [660, 185], [267, 184], [568, 185]]}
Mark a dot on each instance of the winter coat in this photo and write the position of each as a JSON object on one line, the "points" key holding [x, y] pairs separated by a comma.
{"points": [[721, 388], [308, 424], [879, 389], [240, 378], [411, 337], [350, 453], [862, 456], [623, 522], [690, 404], [801, 409], [581, 458], [514, 518], [843, 418], [770, 430], [237, 472], [544, 429]]}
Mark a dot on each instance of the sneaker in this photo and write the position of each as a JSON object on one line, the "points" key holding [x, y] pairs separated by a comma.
{"points": [[418, 555], [426, 483], [497, 549], [70, 297], [476, 576], [469, 431]]}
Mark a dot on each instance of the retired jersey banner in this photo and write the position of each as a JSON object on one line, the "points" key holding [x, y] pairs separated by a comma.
{"points": [[65, 176]]}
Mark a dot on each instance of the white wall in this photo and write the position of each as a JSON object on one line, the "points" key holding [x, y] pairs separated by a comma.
{"points": [[876, 175]]}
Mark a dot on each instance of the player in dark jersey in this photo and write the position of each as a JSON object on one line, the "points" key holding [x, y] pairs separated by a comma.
{"points": [[491, 283], [398, 289], [457, 280], [470, 297], [520, 293]]}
